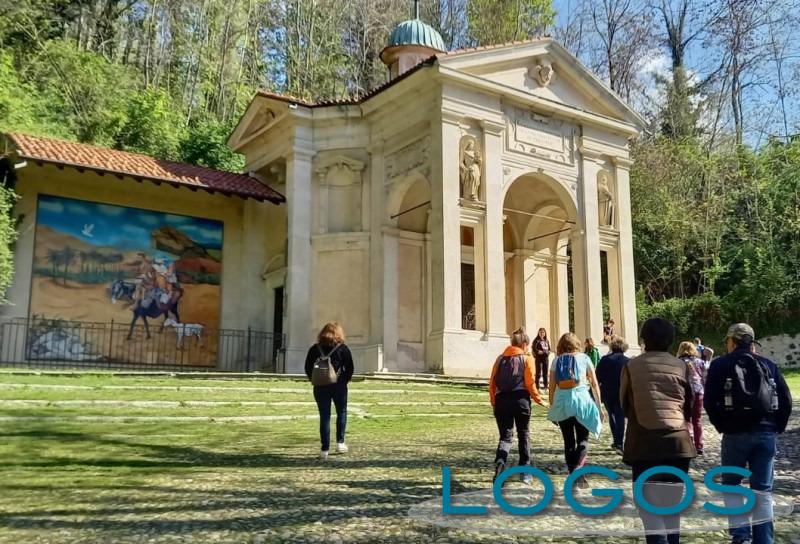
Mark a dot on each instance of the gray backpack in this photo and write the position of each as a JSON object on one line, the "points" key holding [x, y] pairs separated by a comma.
{"points": [[323, 371]]}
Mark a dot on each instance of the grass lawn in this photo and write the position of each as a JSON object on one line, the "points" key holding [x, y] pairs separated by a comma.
{"points": [[111, 459]]}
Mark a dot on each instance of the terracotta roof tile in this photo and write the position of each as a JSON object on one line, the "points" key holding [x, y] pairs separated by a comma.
{"points": [[136, 165]]}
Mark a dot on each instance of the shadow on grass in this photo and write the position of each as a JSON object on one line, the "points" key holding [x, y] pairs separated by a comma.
{"points": [[162, 510]]}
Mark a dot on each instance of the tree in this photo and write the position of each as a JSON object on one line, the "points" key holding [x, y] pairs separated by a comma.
{"points": [[205, 144], [492, 22], [625, 32], [151, 125], [7, 236]]}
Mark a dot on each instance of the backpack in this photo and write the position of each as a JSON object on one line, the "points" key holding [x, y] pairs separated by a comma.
{"points": [[509, 376], [323, 371], [566, 372], [748, 392]]}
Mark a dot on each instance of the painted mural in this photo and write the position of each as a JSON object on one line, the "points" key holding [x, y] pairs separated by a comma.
{"points": [[154, 276]]}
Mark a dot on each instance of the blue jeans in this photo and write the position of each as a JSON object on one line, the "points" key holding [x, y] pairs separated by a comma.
{"points": [[616, 420], [756, 452], [324, 394]]}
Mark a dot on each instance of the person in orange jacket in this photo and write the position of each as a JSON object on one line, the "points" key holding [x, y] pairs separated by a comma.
{"points": [[511, 388]]}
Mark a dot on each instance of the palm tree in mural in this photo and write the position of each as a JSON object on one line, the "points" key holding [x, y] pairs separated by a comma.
{"points": [[67, 258], [54, 258], [84, 257]]}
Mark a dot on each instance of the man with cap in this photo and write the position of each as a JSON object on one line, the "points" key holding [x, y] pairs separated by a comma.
{"points": [[749, 421]]}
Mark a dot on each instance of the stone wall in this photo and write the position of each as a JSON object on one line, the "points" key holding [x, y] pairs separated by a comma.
{"points": [[784, 349]]}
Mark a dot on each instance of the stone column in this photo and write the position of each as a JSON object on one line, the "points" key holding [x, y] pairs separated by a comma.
{"points": [[389, 301], [377, 217], [445, 242], [627, 325], [494, 255], [614, 289], [587, 277], [560, 296], [299, 328]]}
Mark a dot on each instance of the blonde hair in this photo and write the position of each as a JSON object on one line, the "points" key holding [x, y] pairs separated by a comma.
{"points": [[568, 343], [331, 333], [687, 349], [519, 338], [618, 343]]}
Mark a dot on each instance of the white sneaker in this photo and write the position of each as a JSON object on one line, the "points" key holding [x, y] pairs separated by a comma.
{"points": [[323, 455], [341, 447]]}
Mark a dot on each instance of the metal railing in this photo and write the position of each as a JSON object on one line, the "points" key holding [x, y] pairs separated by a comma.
{"points": [[51, 343]]}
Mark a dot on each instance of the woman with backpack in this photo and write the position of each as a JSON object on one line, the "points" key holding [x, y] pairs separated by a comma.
{"points": [[329, 367], [541, 354], [511, 389], [572, 406], [687, 352]]}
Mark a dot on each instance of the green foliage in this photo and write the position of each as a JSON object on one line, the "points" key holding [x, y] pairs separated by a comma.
{"points": [[7, 236], [205, 144], [83, 92], [689, 315], [492, 22], [151, 125]]}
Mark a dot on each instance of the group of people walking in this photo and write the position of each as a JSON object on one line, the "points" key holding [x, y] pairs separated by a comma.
{"points": [[659, 395]]}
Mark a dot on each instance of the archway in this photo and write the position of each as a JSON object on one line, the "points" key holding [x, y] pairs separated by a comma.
{"points": [[406, 272], [540, 215]]}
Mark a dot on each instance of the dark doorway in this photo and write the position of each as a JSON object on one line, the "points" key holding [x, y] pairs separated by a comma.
{"points": [[277, 323], [467, 296]]}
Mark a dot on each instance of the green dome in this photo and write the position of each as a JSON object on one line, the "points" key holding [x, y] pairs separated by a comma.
{"points": [[415, 32]]}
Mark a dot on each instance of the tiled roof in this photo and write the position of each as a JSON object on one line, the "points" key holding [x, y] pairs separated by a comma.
{"points": [[135, 165]]}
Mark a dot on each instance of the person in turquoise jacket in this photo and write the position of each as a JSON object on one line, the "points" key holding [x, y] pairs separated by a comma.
{"points": [[574, 401]]}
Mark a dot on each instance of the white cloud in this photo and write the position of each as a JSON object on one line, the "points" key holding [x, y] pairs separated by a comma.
{"points": [[112, 211], [77, 209], [151, 220], [51, 206], [134, 230], [205, 233], [179, 219]]}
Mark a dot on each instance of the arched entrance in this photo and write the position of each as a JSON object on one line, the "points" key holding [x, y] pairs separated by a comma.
{"points": [[539, 218], [406, 271]]}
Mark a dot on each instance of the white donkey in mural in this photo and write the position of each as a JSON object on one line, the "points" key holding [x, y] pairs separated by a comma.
{"points": [[186, 329]]}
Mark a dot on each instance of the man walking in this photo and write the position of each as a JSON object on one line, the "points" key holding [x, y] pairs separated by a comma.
{"points": [[656, 395], [748, 401]]}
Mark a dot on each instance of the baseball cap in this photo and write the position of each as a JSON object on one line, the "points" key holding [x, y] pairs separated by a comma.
{"points": [[741, 331]]}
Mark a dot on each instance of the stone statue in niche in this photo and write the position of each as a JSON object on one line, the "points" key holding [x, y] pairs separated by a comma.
{"points": [[543, 73], [605, 199], [470, 170]]}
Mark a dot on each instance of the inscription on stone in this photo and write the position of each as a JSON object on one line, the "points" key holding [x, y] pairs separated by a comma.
{"points": [[411, 157], [541, 136]]}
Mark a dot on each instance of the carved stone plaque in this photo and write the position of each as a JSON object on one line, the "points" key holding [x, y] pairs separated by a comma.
{"points": [[414, 156], [534, 134]]}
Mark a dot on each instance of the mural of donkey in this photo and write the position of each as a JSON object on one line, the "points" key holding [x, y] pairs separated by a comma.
{"points": [[153, 305]]}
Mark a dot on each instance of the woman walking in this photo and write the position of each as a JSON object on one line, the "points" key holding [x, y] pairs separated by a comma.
{"points": [[541, 355], [329, 365], [609, 370], [572, 406], [510, 391], [687, 352], [591, 350]]}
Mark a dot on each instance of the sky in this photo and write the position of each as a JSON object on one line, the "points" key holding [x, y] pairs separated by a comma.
{"points": [[122, 228], [762, 112]]}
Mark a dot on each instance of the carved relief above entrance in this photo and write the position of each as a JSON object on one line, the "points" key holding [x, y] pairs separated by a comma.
{"points": [[534, 134], [413, 157]]}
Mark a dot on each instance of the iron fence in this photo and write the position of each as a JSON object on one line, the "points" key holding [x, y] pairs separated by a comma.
{"points": [[51, 343]]}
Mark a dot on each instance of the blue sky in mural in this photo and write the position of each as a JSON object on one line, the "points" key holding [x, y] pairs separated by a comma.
{"points": [[120, 227]]}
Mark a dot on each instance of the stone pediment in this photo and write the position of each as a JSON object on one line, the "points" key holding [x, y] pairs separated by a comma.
{"points": [[544, 69]]}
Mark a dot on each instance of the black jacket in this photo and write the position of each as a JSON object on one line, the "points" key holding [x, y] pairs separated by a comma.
{"points": [[608, 373], [342, 360], [714, 394], [540, 345]]}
